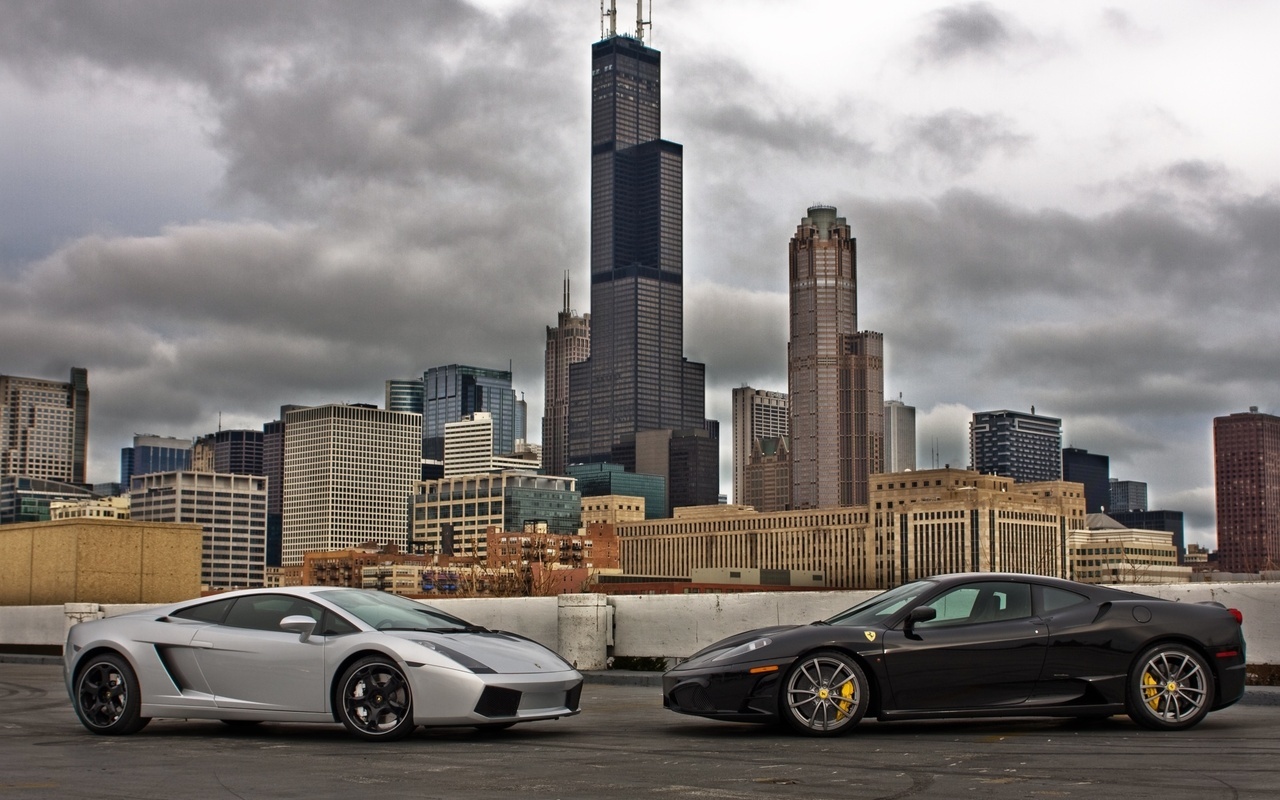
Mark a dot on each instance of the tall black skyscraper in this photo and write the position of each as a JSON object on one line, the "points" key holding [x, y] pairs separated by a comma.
{"points": [[636, 378]]}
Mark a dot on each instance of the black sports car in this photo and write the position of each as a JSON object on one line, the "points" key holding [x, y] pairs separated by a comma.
{"points": [[975, 645]]}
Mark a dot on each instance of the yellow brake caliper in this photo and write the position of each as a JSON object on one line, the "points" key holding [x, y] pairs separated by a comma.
{"points": [[1150, 691], [846, 692]]}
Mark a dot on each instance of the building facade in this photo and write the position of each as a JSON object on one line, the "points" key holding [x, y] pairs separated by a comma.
{"points": [[24, 499], [1246, 460], [757, 413], [452, 515], [899, 436], [636, 377], [1106, 551], [350, 472], [1127, 496], [835, 373], [151, 453], [569, 342], [230, 509], [612, 479], [44, 427], [1025, 447], [468, 448], [1094, 471], [1165, 521], [767, 483], [917, 524]]}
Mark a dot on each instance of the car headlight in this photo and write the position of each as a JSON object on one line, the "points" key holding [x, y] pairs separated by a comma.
{"points": [[462, 659], [743, 649]]}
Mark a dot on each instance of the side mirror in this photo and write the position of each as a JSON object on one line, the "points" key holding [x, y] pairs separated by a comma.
{"points": [[917, 615], [300, 624]]}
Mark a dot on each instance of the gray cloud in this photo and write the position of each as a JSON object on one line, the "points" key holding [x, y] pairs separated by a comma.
{"points": [[973, 30], [224, 207]]}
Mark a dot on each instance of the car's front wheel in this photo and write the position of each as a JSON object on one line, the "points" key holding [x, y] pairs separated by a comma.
{"points": [[374, 700], [824, 694], [1170, 688], [108, 700]]}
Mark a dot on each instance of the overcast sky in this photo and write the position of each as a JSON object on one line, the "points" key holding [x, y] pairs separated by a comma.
{"points": [[222, 207]]}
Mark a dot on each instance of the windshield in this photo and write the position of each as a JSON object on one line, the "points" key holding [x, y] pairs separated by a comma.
{"points": [[389, 612], [878, 609]]}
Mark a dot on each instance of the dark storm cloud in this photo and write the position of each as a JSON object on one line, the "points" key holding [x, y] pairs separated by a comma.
{"points": [[958, 32], [961, 140]]}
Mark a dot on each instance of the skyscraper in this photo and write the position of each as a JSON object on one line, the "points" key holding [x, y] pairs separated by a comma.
{"points": [[835, 373], [44, 427], [899, 436], [152, 453], [757, 414], [636, 377], [1127, 496], [1094, 471], [569, 342], [452, 392], [1025, 447], [349, 474], [1246, 460]]}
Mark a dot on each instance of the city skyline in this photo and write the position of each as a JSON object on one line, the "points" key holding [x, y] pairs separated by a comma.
{"points": [[1066, 207]]}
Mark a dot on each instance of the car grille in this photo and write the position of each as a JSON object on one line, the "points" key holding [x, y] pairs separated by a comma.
{"points": [[692, 697]]}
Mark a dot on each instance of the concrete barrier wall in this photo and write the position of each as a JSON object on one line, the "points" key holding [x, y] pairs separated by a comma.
{"points": [[591, 627]]}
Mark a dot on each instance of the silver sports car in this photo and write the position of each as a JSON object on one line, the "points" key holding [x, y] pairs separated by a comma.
{"points": [[377, 663]]}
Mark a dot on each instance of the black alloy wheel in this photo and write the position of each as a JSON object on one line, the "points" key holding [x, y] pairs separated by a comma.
{"points": [[374, 700], [108, 700]]}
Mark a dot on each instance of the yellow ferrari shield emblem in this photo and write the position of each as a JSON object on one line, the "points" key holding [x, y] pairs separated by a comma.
{"points": [[871, 635]]}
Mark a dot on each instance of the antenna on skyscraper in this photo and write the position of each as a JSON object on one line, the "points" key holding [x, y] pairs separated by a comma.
{"points": [[566, 291], [612, 16], [641, 22]]}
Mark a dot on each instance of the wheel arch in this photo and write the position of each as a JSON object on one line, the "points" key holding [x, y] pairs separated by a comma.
{"points": [[347, 661], [869, 671], [1215, 669]]}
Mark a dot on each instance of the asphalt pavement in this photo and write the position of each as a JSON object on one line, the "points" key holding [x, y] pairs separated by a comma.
{"points": [[625, 745]]}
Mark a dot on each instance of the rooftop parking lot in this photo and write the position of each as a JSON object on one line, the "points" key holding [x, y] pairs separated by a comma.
{"points": [[626, 745]]}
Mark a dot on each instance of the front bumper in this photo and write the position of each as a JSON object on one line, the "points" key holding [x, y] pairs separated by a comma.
{"points": [[731, 692]]}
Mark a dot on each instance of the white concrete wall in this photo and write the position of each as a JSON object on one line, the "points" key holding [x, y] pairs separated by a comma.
{"points": [[677, 625]]}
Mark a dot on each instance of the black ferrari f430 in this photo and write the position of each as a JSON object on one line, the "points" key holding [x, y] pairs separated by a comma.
{"points": [[975, 645]]}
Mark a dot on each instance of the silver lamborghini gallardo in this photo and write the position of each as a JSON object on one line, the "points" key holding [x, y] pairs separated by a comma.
{"points": [[379, 664]]}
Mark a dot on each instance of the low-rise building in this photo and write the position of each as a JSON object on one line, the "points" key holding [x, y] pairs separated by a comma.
{"points": [[1105, 551], [916, 524]]}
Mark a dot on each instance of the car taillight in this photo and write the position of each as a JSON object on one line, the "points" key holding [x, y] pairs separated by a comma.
{"points": [[1235, 612]]}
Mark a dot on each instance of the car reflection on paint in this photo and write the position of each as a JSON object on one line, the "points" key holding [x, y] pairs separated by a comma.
{"points": [[974, 645]]}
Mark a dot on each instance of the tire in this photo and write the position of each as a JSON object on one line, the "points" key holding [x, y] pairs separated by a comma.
{"points": [[107, 698], [374, 700], [824, 694], [1170, 688]]}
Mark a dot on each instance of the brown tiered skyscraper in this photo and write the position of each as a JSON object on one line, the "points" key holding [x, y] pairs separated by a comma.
{"points": [[835, 373], [569, 342], [1246, 460]]}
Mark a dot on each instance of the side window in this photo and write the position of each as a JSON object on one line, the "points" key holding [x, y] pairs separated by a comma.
{"points": [[334, 625], [205, 612], [981, 602], [263, 612], [1055, 599]]}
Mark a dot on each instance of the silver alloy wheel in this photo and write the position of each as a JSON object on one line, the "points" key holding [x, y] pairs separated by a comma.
{"points": [[375, 701], [825, 693], [1171, 688]]}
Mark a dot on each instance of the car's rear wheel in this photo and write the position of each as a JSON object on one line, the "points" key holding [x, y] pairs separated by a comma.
{"points": [[824, 694], [374, 700], [1170, 688], [108, 700]]}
